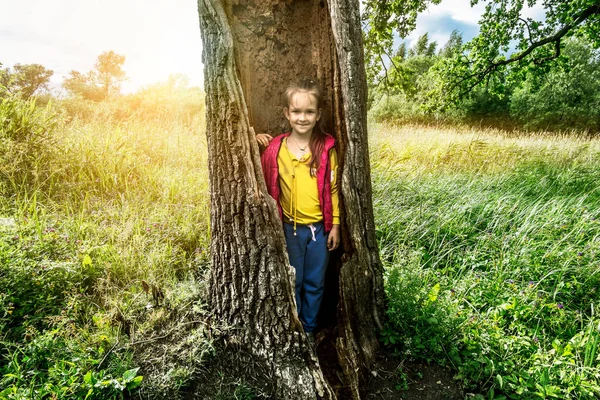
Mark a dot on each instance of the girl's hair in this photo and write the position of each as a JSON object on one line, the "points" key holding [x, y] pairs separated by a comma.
{"points": [[317, 140]]}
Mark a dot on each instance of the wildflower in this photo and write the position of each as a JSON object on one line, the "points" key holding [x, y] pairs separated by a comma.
{"points": [[535, 339], [531, 283], [560, 306], [580, 254], [511, 281]]}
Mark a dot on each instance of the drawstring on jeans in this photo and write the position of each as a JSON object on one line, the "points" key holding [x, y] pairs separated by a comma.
{"points": [[294, 201], [312, 230], [294, 193]]}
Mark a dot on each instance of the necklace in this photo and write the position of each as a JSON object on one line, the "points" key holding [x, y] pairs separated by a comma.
{"points": [[302, 149]]}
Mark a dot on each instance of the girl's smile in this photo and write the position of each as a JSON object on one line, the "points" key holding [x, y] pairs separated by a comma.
{"points": [[302, 114]]}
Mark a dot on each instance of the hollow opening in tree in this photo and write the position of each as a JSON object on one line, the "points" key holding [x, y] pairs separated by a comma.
{"points": [[252, 51]]}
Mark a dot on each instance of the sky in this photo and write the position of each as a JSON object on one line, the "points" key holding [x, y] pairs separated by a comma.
{"points": [[157, 37]]}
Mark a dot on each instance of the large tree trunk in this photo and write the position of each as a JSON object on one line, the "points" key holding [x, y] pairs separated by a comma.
{"points": [[252, 50]]}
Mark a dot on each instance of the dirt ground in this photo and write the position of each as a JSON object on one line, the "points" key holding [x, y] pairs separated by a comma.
{"points": [[395, 379]]}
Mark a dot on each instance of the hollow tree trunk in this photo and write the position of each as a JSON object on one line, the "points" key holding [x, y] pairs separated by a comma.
{"points": [[252, 50]]}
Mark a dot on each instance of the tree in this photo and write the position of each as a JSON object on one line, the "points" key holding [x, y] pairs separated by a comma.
{"points": [[423, 47], [566, 97], [453, 46], [108, 72], [502, 24], [101, 82], [78, 84], [25, 80], [252, 50], [404, 70]]}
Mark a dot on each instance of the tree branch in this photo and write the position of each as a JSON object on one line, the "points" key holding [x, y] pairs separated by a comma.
{"points": [[585, 14], [556, 38], [528, 29]]}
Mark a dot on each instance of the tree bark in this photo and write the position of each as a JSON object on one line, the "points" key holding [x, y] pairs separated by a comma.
{"points": [[252, 50]]}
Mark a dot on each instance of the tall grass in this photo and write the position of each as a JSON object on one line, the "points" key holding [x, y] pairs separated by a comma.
{"points": [[492, 243], [106, 233]]}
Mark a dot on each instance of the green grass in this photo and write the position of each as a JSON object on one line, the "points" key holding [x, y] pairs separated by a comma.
{"points": [[98, 209], [490, 242]]}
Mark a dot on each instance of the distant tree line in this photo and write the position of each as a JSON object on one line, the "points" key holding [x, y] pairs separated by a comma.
{"points": [[24, 80], [102, 82], [540, 74], [564, 94]]}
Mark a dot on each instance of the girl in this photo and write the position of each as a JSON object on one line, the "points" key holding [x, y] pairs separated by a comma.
{"points": [[300, 171]]}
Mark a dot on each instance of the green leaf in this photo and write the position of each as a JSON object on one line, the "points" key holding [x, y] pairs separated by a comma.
{"points": [[500, 380], [87, 378], [87, 260], [433, 293], [129, 375], [135, 382]]}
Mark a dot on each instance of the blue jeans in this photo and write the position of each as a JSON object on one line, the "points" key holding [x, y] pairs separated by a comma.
{"points": [[309, 256]]}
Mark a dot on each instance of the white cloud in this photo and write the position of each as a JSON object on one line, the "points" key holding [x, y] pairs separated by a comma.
{"points": [[440, 20], [537, 12], [458, 10], [158, 37]]}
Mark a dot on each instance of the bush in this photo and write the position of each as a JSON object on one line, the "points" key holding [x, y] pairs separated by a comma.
{"points": [[172, 101], [398, 109], [50, 344], [26, 143]]}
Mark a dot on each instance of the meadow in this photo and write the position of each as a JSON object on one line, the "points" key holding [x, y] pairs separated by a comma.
{"points": [[490, 242]]}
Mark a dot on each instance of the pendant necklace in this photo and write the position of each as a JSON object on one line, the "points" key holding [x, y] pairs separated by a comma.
{"points": [[302, 149]]}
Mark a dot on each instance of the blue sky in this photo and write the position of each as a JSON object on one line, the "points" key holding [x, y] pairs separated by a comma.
{"points": [[158, 37]]}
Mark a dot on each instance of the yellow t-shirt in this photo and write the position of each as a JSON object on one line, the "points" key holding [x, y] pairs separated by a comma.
{"points": [[299, 196]]}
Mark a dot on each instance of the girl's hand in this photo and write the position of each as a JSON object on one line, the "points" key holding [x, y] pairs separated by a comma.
{"points": [[333, 240], [263, 139]]}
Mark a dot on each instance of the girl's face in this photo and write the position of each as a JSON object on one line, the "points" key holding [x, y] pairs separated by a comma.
{"points": [[303, 113]]}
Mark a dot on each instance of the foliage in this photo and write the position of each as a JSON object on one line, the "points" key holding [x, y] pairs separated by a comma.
{"points": [[485, 56], [100, 83], [564, 97], [25, 141], [172, 100], [567, 97], [24, 80], [48, 346], [74, 214], [491, 250]]}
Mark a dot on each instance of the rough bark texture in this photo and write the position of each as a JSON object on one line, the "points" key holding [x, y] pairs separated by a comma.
{"points": [[278, 43], [361, 275], [252, 51], [251, 279]]}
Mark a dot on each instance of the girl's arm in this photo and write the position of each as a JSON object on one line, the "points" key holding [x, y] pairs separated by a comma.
{"points": [[263, 139], [333, 240]]}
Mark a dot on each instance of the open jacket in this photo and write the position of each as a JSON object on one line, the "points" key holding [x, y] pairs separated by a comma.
{"points": [[271, 172]]}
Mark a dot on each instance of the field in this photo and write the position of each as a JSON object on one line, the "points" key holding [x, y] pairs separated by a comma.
{"points": [[490, 242]]}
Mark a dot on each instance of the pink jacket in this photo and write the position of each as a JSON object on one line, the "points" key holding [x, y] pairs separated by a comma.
{"points": [[271, 172]]}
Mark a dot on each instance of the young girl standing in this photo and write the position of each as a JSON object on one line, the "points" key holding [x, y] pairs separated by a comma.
{"points": [[300, 170]]}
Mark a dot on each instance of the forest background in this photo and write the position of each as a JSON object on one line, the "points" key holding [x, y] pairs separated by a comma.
{"points": [[487, 207]]}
